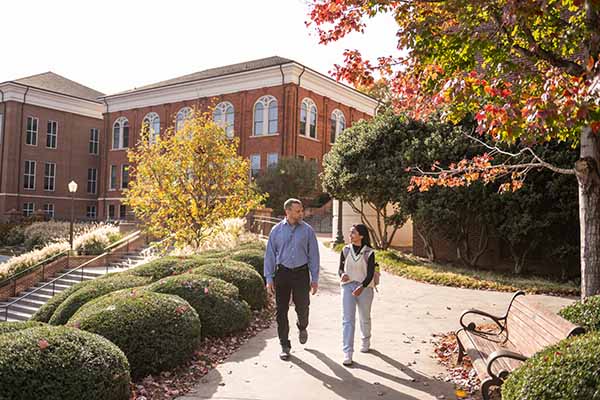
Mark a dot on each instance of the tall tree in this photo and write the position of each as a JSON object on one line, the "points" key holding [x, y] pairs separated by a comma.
{"points": [[526, 70], [187, 181]]}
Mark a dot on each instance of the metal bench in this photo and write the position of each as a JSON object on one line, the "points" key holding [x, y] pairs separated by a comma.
{"points": [[524, 330]]}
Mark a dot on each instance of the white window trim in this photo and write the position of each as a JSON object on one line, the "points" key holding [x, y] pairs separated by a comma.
{"points": [[37, 131], [96, 141], [266, 102], [276, 159], [252, 156], [123, 167], [182, 115], [121, 121], [222, 107], [110, 179], [46, 208], [309, 104], [31, 174], [87, 212], [32, 208], [338, 115], [151, 118], [95, 180], [53, 177], [55, 135]]}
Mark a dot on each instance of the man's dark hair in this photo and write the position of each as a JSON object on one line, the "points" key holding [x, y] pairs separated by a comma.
{"points": [[289, 202]]}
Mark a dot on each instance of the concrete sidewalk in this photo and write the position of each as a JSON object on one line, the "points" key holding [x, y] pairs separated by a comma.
{"points": [[400, 366]]}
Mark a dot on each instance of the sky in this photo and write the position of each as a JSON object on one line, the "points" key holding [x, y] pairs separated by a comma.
{"points": [[113, 45]]}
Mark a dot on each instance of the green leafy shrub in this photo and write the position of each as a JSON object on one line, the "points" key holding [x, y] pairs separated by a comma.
{"points": [[243, 276], [256, 258], [8, 327], [255, 245], [15, 236], [46, 311], [216, 302], [568, 370], [59, 363], [92, 291], [160, 268], [585, 313], [155, 331]]}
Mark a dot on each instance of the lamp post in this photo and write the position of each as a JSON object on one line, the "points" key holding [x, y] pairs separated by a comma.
{"points": [[72, 190], [340, 235]]}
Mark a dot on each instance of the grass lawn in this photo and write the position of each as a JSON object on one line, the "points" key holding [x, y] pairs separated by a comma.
{"points": [[417, 269]]}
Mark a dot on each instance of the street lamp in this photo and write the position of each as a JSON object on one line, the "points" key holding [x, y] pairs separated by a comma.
{"points": [[340, 235], [72, 190]]}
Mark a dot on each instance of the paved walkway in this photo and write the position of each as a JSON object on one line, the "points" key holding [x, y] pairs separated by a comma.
{"points": [[400, 367]]}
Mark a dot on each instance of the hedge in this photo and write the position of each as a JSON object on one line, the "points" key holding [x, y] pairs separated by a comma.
{"points": [[159, 268], [243, 276], [92, 291], [258, 245], [8, 327], [216, 302], [256, 258], [47, 310], [585, 313], [59, 363], [569, 370]]}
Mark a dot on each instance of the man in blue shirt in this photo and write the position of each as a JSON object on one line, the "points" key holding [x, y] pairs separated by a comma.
{"points": [[292, 269]]}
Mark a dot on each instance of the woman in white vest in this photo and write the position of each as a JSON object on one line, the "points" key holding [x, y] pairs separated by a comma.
{"points": [[357, 268]]}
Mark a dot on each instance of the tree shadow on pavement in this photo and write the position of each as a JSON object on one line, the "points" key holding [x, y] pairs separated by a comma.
{"points": [[347, 386]]}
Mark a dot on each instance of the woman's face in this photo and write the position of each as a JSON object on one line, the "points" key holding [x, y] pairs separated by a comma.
{"points": [[355, 237]]}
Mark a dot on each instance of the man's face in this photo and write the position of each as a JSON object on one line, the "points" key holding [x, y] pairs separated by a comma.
{"points": [[295, 213]]}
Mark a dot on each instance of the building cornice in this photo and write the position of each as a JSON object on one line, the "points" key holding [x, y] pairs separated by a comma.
{"points": [[52, 100], [248, 80]]}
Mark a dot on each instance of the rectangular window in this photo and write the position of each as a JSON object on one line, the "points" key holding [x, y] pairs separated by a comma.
{"points": [[49, 176], [273, 117], [49, 210], [94, 141], [90, 212], [29, 176], [111, 211], [255, 164], [122, 212], [51, 134], [124, 176], [32, 131], [113, 178], [272, 159], [92, 179], [28, 209]]}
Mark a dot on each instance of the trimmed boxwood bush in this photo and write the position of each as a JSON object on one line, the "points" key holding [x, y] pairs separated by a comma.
{"points": [[258, 245], [585, 313], [59, 363], [256, 258], [216, 302], [159, 268], [47, 310], [92, 291], [8, 327], [243, 276], [569, 370], [155, 331]]}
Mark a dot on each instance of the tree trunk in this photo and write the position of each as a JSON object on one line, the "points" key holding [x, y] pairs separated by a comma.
{"points": [[589, 213], [426, 238]]}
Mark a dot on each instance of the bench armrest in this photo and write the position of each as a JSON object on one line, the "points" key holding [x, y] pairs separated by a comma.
{"points": [[502, 354], [472, 327]]}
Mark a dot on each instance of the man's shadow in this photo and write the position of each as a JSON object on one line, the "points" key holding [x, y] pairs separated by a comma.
{"points": [[347, 386]]}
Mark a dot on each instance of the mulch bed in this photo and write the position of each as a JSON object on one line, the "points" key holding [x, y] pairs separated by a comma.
{"points": [[210, 353]]}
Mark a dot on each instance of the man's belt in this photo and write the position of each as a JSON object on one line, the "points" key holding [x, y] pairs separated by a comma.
{"points": [[296, 269]]}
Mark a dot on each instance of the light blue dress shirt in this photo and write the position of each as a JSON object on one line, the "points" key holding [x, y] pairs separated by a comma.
{"points": [[292, 246]]}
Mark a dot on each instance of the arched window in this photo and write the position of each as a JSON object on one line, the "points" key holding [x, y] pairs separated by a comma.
{"points": [[182, 116], [224, 116], [338, 124], [120, 133], [152, 121], [308, 118], [265, 116]]}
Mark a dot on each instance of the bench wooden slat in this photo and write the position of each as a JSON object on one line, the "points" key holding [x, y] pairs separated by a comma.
{"points": [[525, 337], [560, 327]]}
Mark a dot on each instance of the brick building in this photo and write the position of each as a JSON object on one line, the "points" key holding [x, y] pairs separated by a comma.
{"points": [[50, 130], [275, 106]]}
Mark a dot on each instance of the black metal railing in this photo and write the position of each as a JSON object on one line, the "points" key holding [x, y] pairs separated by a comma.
{"points": [[73, 272]]}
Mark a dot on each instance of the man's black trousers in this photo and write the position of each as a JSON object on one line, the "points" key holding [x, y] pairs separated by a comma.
{"points": [[295, 283]]}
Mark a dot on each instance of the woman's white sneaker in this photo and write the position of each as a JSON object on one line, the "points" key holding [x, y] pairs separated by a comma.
{"points": [[347, 360]]}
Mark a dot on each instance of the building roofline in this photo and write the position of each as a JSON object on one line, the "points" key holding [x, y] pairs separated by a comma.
{"points": [[50, 91]]}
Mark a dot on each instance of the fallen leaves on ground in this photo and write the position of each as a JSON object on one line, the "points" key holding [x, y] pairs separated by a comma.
{"points": [[210, 353]]}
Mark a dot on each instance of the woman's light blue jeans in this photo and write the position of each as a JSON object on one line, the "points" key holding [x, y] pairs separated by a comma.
{"points": [[349, 305]]}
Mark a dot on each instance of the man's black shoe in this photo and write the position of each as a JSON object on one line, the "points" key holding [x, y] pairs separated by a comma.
{"points": [[303, 336], [285, 353]]}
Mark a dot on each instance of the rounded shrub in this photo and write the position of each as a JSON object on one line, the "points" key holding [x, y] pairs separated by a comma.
{"points": [[256, 245], [46, 311], [159, 268], [216, 301], [568, 370], [585, 313], [155, 331], [8, 327], [92, 291], [59, 363], [256, 258], [243, 276]]}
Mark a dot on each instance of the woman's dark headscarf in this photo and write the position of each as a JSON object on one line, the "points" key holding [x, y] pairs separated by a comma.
{"points": [[364, 232]]}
